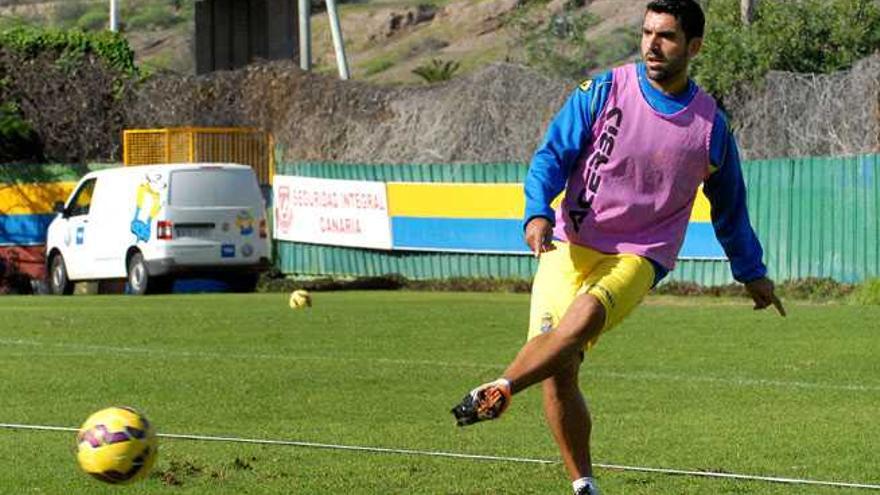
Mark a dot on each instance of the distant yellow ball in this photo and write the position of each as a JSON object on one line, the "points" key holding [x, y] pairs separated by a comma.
{"points": [[300, 299], [116, 445]]}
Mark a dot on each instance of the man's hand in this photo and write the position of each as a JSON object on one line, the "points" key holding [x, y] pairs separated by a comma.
{"points": [[762, 293], [539, 236]]}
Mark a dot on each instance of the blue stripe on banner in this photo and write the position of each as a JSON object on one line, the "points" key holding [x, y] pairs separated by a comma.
{"points": [[458, 234], [700, 242], [22, 230], [505, 236]]}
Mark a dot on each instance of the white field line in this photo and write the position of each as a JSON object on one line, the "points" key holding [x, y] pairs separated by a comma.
{"points": [[636, 375], [738, 381], [432, 453]]}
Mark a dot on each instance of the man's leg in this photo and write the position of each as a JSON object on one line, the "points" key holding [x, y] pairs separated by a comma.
{"points": [[569, 420], [613, 287], [559, 279], [541, 357], [549, 353]]}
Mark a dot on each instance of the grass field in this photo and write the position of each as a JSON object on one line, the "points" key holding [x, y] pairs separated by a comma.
{"points": [[705, 385]]}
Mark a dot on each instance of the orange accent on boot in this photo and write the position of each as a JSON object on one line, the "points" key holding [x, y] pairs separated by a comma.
{"points": [[493, 399]]}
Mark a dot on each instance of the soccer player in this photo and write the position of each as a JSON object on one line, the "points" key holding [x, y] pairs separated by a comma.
{"points": [[630, 148]]}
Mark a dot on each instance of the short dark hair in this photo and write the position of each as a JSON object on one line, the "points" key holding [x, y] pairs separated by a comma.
{"points": [[687, 12]]}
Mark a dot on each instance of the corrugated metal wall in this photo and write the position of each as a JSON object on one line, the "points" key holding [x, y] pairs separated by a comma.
{"points": [[492, 173], [816, 217], [311, 259]]}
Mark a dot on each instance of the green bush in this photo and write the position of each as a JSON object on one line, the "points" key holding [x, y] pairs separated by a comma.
{"points": [[40, 118], [810, 36], [31, 41], [867, 293]]}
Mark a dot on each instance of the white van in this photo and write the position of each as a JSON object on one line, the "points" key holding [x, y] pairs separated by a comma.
{"points": [[151, 224]]}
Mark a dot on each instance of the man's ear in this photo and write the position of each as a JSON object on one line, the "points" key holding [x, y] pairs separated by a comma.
{"points": [[694, 46]]}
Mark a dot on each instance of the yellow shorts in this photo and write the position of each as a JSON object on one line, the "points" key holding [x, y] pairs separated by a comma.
{"points": [[618, 281]]}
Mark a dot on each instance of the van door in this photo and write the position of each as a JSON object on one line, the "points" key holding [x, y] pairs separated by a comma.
{"points": [[108, 218], [216, 214], [78, 232]]}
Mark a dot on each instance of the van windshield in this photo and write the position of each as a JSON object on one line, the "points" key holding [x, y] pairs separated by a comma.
{"points": [[213, 187]]}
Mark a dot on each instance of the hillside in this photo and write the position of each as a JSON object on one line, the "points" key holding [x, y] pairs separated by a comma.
{"points": [[385, 42], [385, 39]]}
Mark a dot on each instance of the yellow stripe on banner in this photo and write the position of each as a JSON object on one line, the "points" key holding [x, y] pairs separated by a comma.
{"points": [[25, 199], [701, 211], [452, 200]]}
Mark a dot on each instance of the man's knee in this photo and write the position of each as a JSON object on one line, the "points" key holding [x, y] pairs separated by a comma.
{"points": [[565, 381]]}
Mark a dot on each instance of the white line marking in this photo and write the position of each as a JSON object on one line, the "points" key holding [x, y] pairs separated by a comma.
{"points": [[430, 453], [594, 371], [743, 382], [749, 477]]}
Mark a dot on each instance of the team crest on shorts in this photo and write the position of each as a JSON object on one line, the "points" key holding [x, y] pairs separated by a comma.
{"points": [[585, 86], [546, 323]]}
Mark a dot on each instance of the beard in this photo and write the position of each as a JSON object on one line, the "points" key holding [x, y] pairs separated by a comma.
{"points": [[664, 68]]}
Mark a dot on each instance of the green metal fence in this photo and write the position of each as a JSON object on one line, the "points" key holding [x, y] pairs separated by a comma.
{"points": [[310, 259], [491, 172], [816, 217]]}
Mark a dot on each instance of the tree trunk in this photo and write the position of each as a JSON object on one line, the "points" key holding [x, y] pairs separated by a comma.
{"points": [[747, 11]]}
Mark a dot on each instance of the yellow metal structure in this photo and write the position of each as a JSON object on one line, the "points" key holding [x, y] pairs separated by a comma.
{"points": [[201, 145]]}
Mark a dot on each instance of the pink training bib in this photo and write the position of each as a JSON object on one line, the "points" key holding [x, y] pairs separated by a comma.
{"points": [[633, 189]]}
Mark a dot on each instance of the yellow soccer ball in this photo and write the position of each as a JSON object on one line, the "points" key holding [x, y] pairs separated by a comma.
{"points": [[116, 445], [300, 299]]}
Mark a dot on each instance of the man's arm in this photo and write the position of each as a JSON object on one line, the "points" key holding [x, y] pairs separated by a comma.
{"points": [[567, 135], [726, 191]]}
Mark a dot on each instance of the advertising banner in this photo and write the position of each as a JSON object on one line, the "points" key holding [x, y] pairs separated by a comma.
{"points": [[332, 212]]}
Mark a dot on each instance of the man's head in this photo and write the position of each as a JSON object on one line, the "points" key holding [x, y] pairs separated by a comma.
{"points": [[672, 34]]}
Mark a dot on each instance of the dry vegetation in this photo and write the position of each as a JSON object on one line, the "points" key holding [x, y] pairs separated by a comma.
{"points": [[494, 115], [811, 115]]}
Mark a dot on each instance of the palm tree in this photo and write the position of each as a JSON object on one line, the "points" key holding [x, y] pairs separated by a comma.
{"points": [[437, 71]]}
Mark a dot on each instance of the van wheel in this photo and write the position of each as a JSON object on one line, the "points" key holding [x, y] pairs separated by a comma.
{"points": [[138, 277], [59, 284]]}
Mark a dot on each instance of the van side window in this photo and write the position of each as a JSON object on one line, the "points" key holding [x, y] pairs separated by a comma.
{"points": [[82, 199]]}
